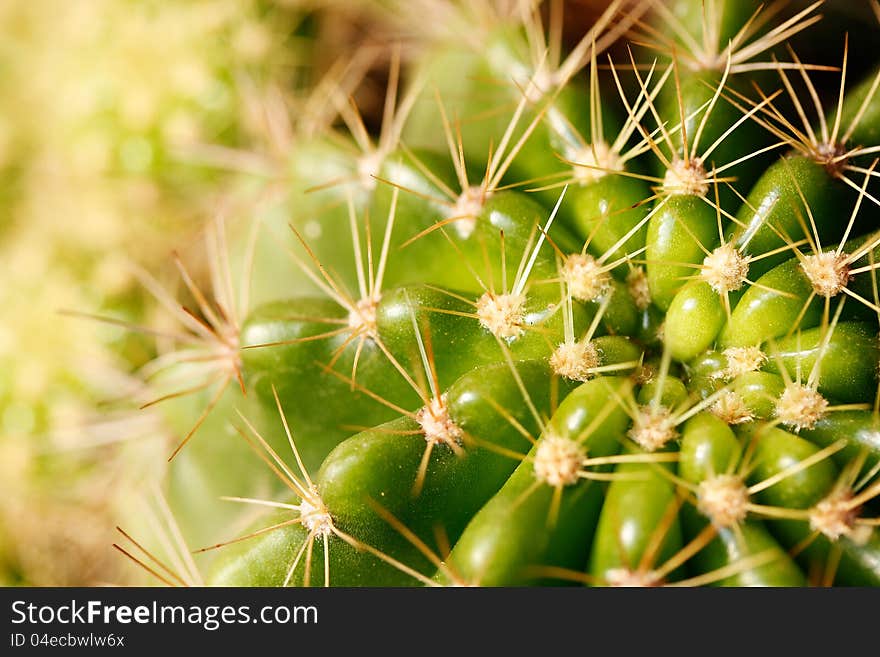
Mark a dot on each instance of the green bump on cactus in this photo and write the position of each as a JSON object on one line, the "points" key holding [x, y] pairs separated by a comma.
{"points": [[431, 468], [544, 515]]}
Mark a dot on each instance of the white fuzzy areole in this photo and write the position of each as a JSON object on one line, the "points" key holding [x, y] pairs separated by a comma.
{"points": [[315, 516], [731, 408], [637, 286], [558, 460], [437, 426], [653, 427], [827, 272], [835, 518], [575, 360], [742, 360], [502, 314], [725, 269], [829, 154], [624, 577], [800, 407], [686, 178], [585, 277], [368, 167], [363, 317], [467, 208], [723, 499], [599, 159]]}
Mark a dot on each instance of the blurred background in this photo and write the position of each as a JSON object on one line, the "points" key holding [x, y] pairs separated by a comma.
{"points": [[124, 125]]}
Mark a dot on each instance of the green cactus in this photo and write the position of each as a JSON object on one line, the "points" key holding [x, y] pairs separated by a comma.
{"points": [[551, 322]]}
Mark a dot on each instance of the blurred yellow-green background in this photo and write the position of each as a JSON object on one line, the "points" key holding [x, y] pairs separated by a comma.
{"points": [[124, 126]]}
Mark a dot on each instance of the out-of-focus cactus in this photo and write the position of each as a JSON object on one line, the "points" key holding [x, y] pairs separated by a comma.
{"points": [[105, 102]]}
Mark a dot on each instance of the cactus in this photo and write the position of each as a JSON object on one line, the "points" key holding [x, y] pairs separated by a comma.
{"points": [[607, 319]]}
